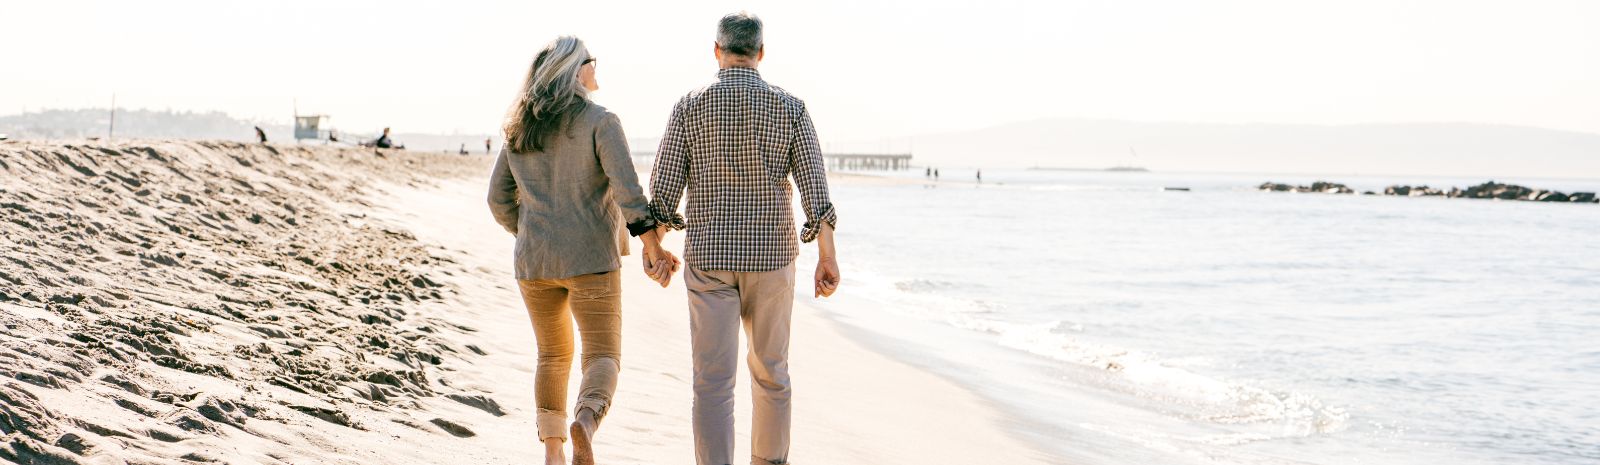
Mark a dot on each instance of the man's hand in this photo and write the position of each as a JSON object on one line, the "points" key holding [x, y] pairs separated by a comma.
{"points": [[827, 263], [827, 277], [660, 267]]}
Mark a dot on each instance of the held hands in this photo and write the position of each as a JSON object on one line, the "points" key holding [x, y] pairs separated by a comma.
{"points": [[659, 264]]}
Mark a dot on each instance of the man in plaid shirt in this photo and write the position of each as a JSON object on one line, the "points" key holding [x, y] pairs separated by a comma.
{"points": [[734, 145]]}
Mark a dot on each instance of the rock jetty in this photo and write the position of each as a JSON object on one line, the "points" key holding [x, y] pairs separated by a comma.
{"points": [[1487, 190]]}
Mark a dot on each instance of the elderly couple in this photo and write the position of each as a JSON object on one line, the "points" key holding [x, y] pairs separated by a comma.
{"points": [[565, 186]]}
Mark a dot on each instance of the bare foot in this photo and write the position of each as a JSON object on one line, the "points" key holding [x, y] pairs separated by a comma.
{"points": [[582, 431], [553, 454]]}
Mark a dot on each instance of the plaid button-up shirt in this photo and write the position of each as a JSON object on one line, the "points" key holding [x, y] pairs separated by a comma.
{"points": [[733, 146]]}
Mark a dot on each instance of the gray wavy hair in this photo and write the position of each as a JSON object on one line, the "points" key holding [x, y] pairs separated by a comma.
{"points": [[550, 95]]}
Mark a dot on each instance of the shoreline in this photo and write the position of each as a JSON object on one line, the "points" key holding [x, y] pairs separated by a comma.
{"points": [[853, 404]]}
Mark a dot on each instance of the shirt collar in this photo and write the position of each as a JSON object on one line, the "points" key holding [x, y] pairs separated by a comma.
{"points": [[738, 73]]}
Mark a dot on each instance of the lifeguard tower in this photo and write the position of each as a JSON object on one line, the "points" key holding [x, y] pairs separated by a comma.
{"points": [[312, 127]]}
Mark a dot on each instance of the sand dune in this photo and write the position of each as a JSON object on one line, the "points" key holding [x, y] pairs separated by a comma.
{"points": [[168, 291], [198, 302]]}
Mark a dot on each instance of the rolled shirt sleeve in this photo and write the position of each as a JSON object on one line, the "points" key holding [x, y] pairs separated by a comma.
{"points": [[811, 177]]}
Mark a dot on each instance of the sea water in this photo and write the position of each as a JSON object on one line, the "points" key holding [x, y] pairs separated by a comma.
{"points": [[1113, 321]]}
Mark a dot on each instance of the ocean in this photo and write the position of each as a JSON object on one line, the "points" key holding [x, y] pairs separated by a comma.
{"points": [[1111, 321]]}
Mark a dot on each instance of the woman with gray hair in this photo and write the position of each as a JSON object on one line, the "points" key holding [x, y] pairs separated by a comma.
{"points": [[564, 184]]}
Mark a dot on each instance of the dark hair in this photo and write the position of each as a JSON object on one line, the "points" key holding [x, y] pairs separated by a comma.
{"points": [[740, 34]]}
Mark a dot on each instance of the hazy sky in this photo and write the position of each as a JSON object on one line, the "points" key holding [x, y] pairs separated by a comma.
{"points": [[868, 70]]}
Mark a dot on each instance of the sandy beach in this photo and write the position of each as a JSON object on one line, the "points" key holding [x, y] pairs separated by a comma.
{"points": [[182, 302]]}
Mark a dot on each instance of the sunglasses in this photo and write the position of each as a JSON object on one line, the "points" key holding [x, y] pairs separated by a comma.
{"points": [[589, 61]]}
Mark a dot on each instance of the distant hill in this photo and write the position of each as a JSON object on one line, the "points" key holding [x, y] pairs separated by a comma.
{"points": [[215, 125], [1443, 149], [93, 122]]}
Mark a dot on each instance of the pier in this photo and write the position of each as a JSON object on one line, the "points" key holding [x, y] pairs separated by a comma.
{"points": [[867, 161], [834, 161]]}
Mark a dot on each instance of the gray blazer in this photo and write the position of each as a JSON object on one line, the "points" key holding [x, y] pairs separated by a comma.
{"points": [[568, 205]]}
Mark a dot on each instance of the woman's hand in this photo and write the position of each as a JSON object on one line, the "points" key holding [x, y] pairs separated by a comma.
{"points": [[660, 265]]}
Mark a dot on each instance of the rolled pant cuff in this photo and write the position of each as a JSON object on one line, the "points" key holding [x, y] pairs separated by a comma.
{"points": [[552, 425], [596, 406]]}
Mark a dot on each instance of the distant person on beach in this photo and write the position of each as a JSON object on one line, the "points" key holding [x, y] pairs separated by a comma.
{"points": [[384, 142], [564, 185], [488, 146], [261, 134], [927, 172], [980, 176], [734, 145], [935, 174]]}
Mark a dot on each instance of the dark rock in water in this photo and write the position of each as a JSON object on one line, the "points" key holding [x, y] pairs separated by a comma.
{"points": [[1413, 191], [453, 428], [1330, 188], [1487, 190], [1495, 190], [1552, 196], [1318, 187]]}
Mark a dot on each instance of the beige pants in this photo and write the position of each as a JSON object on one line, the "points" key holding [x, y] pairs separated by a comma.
{"points": [[595, 302], [719, 303]]}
